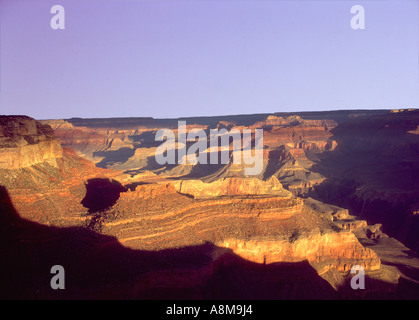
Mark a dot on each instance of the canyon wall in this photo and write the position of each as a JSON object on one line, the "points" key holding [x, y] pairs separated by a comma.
{"points": [[25, 142]]}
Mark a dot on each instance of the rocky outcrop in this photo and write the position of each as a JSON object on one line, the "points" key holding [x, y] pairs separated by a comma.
{"points": [[157, 216], [325, 251], [25, 142], [231, 187]]}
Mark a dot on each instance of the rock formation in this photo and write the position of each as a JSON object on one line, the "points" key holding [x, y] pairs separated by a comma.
{"points": [[25, 142], [231, 187]]}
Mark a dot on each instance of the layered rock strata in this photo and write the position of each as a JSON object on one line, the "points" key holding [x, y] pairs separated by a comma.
{"points": [[262, 229], [231, 186], [25, 142], [45, 182]]}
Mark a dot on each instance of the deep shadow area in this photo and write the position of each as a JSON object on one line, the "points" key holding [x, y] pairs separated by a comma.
{"points": [[200, 171], [102, 194], [114, 156], [146, 139], [273, 162], [99, 267], [374, 171]]}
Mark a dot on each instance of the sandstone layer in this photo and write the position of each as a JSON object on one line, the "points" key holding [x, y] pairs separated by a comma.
{"points": [[231, 187], [25, 142]]}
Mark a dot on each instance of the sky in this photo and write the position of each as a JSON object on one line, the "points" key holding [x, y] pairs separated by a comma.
{"points": [[180, 58]]}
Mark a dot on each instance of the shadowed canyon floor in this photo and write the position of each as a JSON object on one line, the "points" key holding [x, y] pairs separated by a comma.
{"points": [[337, 189]]}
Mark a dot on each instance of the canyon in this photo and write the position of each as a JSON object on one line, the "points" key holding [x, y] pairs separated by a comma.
{"points": [[338, 189]]}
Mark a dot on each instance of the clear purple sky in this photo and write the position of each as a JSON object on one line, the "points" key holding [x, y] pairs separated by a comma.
{"points": [[178, 58]]}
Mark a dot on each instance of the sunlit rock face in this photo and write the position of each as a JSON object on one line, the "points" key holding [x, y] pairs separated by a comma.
{"points": [[231, 187], [25, 142], [325, 251]]}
